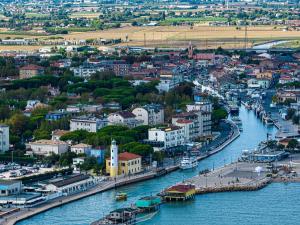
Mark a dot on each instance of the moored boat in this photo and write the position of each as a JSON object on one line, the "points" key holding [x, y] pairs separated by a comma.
{"points": [[122, 196], [188, 163]]}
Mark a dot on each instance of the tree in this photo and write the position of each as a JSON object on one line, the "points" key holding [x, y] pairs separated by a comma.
{"points": [[89, 163], [218, 115], [66, 159], [18, 124], [290, 113], [293, 144]]}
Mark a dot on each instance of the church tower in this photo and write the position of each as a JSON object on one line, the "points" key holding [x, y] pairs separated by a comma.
{"points": [[190, 51]]}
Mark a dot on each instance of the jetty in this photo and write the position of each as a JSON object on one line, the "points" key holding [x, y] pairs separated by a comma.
{"points": [[239, 176]]}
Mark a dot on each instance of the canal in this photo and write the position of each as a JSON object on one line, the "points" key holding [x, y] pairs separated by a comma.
{"points": [[259, 207]]}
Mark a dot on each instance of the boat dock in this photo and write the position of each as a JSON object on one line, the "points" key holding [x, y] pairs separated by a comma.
{"points": [[239, 176]]}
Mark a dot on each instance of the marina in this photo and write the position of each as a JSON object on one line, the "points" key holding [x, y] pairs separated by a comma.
{"points": [[103, 203]]}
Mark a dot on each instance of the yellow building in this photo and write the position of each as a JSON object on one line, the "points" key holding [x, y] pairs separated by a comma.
{"points": [[30, 71], [128, 163]]}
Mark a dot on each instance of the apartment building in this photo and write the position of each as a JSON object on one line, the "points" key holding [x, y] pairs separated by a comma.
{"points": [[88, 123], [172, 136], [151, 114]]}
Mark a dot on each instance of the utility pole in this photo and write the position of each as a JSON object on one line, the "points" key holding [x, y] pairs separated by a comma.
{"points": [[246, 36]]}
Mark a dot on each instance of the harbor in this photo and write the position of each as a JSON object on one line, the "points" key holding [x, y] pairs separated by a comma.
{"points": [[113, 184], [99, 205]]}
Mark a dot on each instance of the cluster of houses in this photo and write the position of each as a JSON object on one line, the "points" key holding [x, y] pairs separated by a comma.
{"points": [[186, 127]]}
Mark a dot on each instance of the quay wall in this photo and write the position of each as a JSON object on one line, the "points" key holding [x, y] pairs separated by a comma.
{"points": [[234, 188], [13, 219]]}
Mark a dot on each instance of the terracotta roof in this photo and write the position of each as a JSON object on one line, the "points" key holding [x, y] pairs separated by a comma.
{"points": [[181, 188], [48, 142], [204, 56], [126, 156], [183, 121], [60, 132], [31, 67]]}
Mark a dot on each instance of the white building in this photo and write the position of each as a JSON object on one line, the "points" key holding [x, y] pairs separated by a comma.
{"points": [[73, 184], [48, 147], [4, 138], [168, 81], [124, 118], [204, 111], [86, 71], [258, 83], [81, 148], [151, 114], [88, 123], [172, 136]]}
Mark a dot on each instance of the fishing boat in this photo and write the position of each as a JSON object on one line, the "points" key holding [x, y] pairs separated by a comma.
{"points": [[188, 163], [122, 196]]}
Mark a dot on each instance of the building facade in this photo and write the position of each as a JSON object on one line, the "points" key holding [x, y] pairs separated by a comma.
{"points": [[124, 118], [81, 148], [88, 123], [4, 138], [48, 147], [30, 71], [151, 114], [128, 164], [172, 136]]}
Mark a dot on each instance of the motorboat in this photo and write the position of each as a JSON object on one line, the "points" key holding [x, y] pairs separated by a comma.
{"points": [[188, 163]]}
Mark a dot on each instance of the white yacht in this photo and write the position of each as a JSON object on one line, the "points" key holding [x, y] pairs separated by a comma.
{"points": [[188, 163]]}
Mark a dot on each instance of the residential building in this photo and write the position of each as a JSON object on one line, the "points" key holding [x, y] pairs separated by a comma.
{"points": [[168, 80], [88, 123], [203, 110], [124, 118], [4, 138], [172, 136], [98, 153], [128, 163], [81, 148], [56, 115], [56, 134], [151, 114], [30, 71], [191, 124], [86, 71], [258, 83], [48, 147], [10, 187]]}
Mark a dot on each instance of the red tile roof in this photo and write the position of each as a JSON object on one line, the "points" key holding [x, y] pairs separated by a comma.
{"points": [[126, 156], [183, 121], [31, 67], [181, 188]]}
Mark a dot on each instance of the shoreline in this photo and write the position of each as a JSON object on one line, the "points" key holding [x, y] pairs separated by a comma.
{"points": [[30, 212]]}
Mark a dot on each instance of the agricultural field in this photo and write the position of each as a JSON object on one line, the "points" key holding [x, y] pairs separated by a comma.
{"points": [[29, 48], [36, 15], [201, 20], [88, 15], [200, 35], [289, 44]]}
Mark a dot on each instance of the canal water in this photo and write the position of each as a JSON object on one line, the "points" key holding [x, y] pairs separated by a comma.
{"points": [[276, 203]]}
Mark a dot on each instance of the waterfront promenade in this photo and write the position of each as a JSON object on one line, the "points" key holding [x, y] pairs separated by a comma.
{"points": [[110, 184], [107, 185]]}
